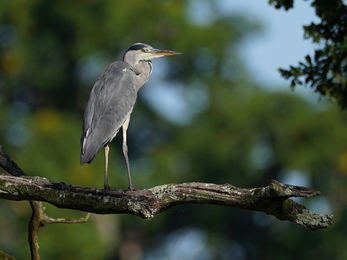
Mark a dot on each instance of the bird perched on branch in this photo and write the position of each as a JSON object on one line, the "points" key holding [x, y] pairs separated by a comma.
{"points": [[112, 101]]}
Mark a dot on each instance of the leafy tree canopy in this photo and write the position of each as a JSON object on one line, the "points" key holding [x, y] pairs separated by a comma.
{"points": [[326, 70]]}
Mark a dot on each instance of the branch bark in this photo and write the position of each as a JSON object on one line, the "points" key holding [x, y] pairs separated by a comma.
{"points": [[272, 199], [8, 165]]}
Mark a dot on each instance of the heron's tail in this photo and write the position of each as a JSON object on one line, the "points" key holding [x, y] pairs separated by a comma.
{"points": [[88, 150]]}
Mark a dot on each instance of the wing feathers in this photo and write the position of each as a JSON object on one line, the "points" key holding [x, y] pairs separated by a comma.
{"points": [[110, 102]]}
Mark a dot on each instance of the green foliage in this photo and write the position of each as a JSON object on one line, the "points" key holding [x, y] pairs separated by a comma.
{"points": [[286, 4], [326, 71]]}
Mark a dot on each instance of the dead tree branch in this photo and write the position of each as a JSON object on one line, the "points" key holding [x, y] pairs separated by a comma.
{"points": [[8, 165], [272, 199], [38, 219]]}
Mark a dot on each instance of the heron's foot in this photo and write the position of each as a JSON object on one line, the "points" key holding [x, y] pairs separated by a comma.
{"points": [[131, 188], [106, 189]]}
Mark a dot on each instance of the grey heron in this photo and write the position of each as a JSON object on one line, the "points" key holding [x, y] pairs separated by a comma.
{"points": [[112, 100]]}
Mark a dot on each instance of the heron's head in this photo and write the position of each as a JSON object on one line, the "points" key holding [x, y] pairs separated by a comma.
{"points": [[141, 51]]}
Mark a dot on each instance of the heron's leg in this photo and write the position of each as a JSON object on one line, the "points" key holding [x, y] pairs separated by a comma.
{"points": [[125, 151], [106, 149]]}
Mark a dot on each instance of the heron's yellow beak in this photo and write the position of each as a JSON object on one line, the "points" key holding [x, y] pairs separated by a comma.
{"points": [[164, 52], [150, 54]]}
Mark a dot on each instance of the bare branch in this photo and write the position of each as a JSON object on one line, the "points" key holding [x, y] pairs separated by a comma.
{"points": [[4, 256], [39, 218], [272, 199], [8, 165], [33, 229], [49, 220]]}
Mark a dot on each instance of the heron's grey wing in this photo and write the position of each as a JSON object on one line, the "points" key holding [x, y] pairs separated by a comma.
{"points": [[110, 103]]}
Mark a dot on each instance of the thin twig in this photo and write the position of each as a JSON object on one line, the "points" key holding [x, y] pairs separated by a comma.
{"points": [[48, 220]]}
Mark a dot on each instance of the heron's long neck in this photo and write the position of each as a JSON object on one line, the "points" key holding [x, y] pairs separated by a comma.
{"points": [[143, 70]]}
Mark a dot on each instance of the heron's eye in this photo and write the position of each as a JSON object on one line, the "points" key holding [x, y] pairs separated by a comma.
{"points": [[145, 50]]}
